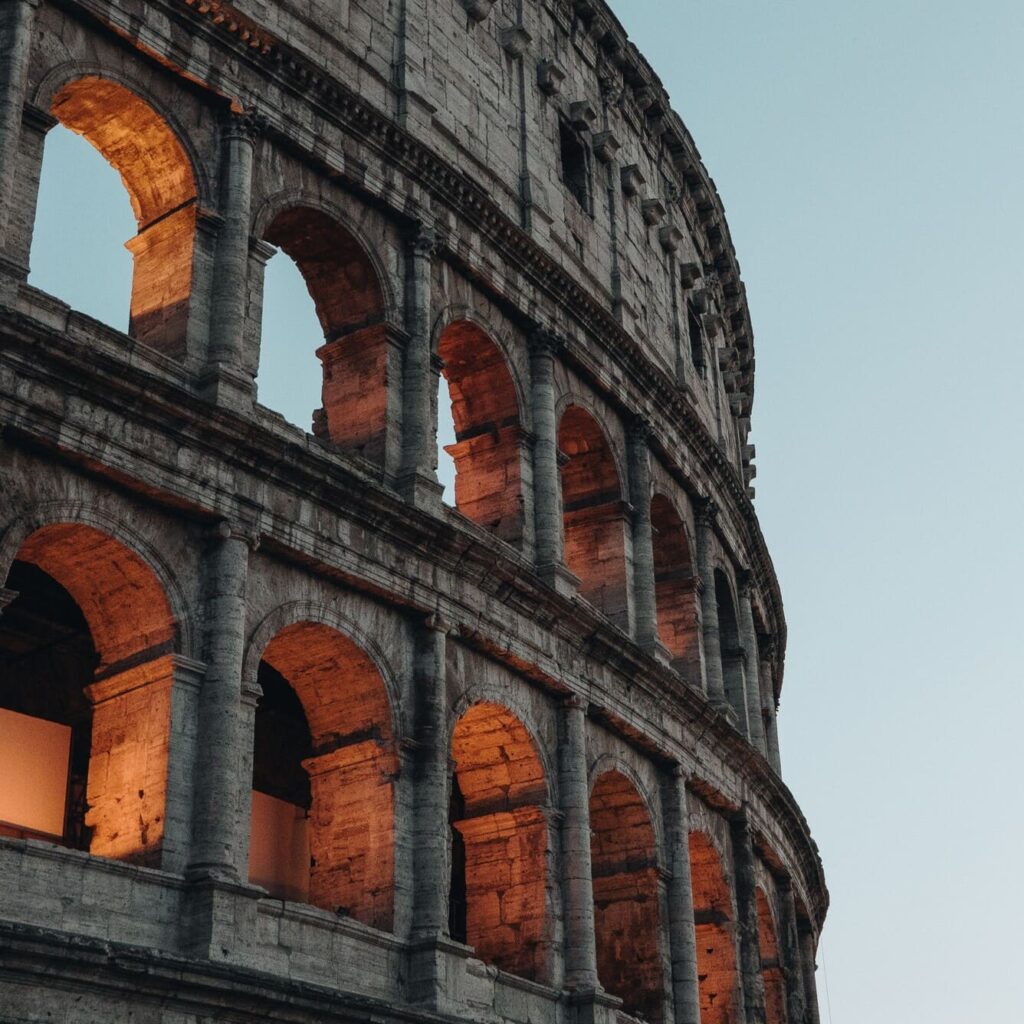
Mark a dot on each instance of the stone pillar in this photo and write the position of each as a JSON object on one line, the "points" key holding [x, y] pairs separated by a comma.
{"points": [[16, 25], [751, 978], [766, 651], [807, 963], [748, 641], [706, 514], [431, 841], [577, 878], [222, 793], [789, 951], [226, 381], [547, 489], [418, 473], [682, 936], [644, 595]]}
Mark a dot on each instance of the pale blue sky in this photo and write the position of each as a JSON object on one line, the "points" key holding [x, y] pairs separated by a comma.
{"points": [[871, 160]]}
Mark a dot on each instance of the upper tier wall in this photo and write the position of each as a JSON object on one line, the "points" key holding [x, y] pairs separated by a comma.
{"points": [[495, 89]]}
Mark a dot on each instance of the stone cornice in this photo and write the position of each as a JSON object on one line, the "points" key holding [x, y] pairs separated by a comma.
{"points": [[470, 201], [243, 445]]}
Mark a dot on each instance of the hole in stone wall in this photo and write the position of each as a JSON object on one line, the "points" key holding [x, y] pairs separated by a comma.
{"points": [[356, 352], [157, 174], [771, 966], [594, 514], [446, 438], [83, 216], [626, 897], [86, 645], [674, 585], [478, 398], [713, 924], [503, 833], [349, 771], [290, 376]]}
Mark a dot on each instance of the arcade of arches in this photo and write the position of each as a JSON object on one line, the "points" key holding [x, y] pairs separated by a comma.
{"points": [[90, 648]]}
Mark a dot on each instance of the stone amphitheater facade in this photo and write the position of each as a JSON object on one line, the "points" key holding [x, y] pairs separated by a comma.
{"points": [[335, 750]]}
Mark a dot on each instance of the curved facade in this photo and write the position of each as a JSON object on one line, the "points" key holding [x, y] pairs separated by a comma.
{"points": [[290, 738]]}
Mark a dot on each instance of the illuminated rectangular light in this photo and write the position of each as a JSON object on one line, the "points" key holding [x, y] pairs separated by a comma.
{"points": [[34, 758], [279, 848]]}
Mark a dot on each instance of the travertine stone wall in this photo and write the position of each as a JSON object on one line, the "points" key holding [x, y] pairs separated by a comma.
{"points": [[544, 772]]}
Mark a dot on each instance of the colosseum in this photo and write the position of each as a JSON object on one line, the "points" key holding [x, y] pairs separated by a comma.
{"points": [[283, 735]]}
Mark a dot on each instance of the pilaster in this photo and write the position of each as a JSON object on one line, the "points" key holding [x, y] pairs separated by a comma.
{"points": [[577, 874], [221, 802], [751, 978], [644, 594], [225, 380], [714, 679], [17, 19], [418, 473], [682, 934], [748, 641], [547, 490]]}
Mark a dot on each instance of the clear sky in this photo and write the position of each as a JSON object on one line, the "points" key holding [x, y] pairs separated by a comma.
{"points": [[870, 155]]}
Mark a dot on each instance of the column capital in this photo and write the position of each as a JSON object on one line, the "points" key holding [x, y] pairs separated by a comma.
{"points": [[745, 582], [705, 511], [423, 240], [545, 343], [639, 429], [227, 530], [575, 702], [438, 623], [245, 125]]}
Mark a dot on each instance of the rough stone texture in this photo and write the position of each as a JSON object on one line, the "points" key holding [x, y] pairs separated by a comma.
{"points": [[528, 798]]}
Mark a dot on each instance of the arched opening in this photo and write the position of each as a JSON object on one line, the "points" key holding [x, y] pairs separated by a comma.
{"points": [[732, 654], [86, 678], [349, 301], [323, 770], [485, 414], [594, 514], [627, 921], [674, 586], [771, 966], [713, 922], [157, 174], [290, 374], [501, 840]]}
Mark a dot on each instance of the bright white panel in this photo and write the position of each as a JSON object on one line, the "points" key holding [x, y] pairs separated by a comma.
{"points": [[33, 772]]}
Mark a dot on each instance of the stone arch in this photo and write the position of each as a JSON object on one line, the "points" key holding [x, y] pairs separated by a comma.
{"points": [[291, 612], [349, 292], [499, 841], [771, 964], [729, 643], [714, 924], [60, 75], [84, 513], [159, 174], [325, 695], [626, 895], [486, 409], [87, 662], [675, 584], [594, 513]]}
